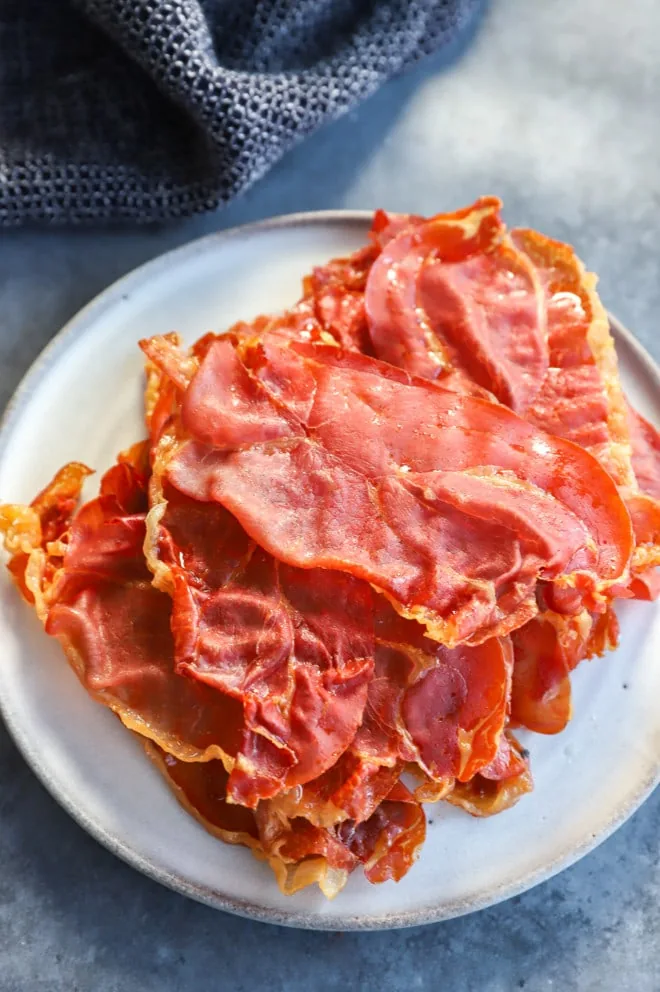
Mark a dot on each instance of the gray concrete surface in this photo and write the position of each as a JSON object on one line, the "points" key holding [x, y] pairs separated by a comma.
{"points": [[555, 106]]}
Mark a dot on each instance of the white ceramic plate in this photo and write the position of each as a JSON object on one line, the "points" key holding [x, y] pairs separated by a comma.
{"points": [[82, 401]]}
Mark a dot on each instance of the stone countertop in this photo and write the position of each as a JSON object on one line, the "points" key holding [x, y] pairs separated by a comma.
{"points": [[554, 107]]}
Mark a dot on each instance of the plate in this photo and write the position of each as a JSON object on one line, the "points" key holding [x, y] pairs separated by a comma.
{"points": [[82, 400]]}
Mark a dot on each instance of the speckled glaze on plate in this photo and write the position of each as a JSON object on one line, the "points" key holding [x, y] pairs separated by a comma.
{"points": [[82, 400]]}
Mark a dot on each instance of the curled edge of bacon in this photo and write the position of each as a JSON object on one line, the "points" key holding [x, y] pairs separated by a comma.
{"points": [[454, 304]]}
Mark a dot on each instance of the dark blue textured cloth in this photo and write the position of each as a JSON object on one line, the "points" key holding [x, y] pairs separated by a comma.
{"points": [[148, 109]]}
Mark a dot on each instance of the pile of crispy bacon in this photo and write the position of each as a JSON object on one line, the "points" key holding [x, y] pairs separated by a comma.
{"points": [[365, 539]]}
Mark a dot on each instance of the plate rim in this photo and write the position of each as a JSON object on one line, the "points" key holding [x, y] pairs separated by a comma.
{"points": [[76, 327]]}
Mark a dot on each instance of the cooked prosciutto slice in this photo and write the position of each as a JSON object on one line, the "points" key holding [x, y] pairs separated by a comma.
{"points": [[443, 709], [645, 441], [520, 317], [98, 600], [453, 293], [643, 505], [294, 649], [299, 852], [29, 531], [321, 455], [581, 397], [546, 651], [498, 787], [336, 292]]}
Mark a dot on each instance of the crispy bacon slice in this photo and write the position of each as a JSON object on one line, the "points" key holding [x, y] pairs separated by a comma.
{"points": [[320, 455]]}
